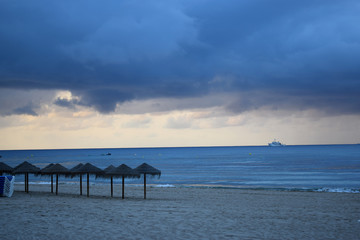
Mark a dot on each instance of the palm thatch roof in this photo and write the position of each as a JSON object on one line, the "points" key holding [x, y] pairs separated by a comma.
{"points": [[4, 168], [109, 168], [74, 169], [88, 168], [55, 169], [26, 167], [147, 169], [123, 170], [47, 166], [41, 171], [105, 171]]}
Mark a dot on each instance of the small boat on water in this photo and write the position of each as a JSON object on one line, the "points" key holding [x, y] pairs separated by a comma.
{"points": [[276, 144], [106, 154]]}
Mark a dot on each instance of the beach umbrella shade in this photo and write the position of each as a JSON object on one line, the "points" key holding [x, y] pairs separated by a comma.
{"points": [[46, 167], [146, 169], [57, 169], [89, 169], [125, 172], [26, 168], [52, 179], [74, 169], [4, 168], [73, 173], [108, 169]]}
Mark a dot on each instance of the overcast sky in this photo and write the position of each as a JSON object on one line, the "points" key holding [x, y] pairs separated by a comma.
{"points": [[159, 66]]}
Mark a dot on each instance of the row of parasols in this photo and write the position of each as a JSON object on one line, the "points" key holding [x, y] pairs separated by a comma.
{"points": [[123, 171]]}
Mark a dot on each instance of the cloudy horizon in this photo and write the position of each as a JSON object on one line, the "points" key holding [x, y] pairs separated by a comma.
{"points": [[89, 74]]}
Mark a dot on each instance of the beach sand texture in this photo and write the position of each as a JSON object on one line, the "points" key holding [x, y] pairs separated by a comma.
{"points": [[178, 213]]}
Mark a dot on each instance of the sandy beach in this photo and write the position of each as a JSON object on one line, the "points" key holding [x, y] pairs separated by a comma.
{"points": [[178, 213]]}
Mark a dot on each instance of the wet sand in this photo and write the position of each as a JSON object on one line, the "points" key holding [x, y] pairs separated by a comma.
{"points": [[178, 213]]}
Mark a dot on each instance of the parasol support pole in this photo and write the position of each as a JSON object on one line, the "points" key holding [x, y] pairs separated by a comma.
{"points": [[27, 180], [52, 183], [88, 174], [112, 190], [123, 187], [80, 184], [57, 183], [144, 185]]}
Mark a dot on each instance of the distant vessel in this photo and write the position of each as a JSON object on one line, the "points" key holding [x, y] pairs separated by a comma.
{"points": [[107, 154], [276, 144]]}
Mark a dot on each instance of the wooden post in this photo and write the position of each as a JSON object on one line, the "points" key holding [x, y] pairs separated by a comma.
{"points": [[123, 187], [52, 183], [88, 184], [80, 184], [112, 192], [25, 182], [144, 185], [57, 183]]}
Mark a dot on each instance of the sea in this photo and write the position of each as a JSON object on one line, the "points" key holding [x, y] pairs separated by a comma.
{"points": [[326, 168]]}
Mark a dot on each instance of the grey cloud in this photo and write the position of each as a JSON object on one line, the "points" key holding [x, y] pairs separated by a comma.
{"points": [[138, 123], [178, 122], [28, 102], [276, 54], [147, 31], [67, 103], [105, 100], [26, 110]]}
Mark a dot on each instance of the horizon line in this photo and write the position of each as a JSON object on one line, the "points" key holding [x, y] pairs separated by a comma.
{"points": [[200, 146]]}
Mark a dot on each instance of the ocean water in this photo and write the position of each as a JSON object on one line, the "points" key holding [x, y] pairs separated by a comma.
{"points": [[308, 168]]}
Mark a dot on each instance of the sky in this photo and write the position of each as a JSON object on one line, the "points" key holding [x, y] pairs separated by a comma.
{"points": [[172, 73]]}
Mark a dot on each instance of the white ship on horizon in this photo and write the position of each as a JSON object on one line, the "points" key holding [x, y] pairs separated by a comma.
{"points": [[276, 144]]}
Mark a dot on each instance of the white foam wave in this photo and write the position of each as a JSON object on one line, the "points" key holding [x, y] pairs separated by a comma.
{"points": [[33, 183], [338, 190], [40, 183], [165, 186]]}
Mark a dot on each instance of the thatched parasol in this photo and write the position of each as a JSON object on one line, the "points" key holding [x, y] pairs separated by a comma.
{"points": [[57, 169], [88, 169], [73, 173], [124, 171], [147, 169], [108, 169], [74, 169], [52, 179], [26, 168], [4, 168], [46, 167]]}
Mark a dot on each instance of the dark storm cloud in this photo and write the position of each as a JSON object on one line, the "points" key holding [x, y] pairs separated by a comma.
{"points": [[277, 54]]}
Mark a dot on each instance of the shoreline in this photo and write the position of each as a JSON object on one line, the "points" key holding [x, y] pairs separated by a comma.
{"points": [[234, 187], [179, 213]]}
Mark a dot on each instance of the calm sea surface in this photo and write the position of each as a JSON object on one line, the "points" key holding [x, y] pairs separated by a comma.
{"points": [[317, 168]]}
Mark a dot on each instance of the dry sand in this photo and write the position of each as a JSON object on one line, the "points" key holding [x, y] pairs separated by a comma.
{"points": [[178, 213]]}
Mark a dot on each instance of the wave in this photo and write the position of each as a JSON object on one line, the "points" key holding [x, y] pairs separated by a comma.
{"points": [[290, 189], [338, 190], [165, 186]]}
